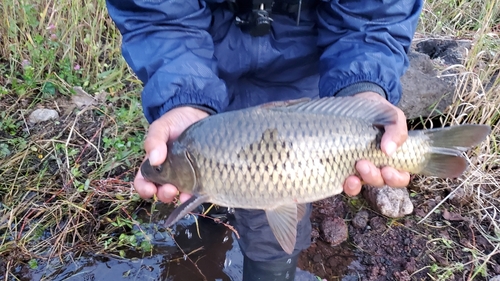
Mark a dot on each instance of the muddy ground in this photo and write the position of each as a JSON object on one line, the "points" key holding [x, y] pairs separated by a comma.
{"points": [[381, 248]]}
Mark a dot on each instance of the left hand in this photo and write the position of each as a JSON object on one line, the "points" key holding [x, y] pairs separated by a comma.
{"points": [[395, 135]]}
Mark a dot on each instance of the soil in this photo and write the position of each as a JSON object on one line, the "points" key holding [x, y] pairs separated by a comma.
{"points": [[380, 248]]}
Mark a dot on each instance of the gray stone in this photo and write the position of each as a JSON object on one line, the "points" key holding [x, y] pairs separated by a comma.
{"points": [[334, 230], [390, 202], [423, 90], [495, 278], [460, 197], [42, 114], [360, 219], [82, 99]]}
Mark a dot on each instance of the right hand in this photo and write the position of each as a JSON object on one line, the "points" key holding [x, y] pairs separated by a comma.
{"points": [[166, 128]]}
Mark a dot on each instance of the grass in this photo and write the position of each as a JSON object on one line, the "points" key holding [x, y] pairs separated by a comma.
{"points": [[476, 100], [66, 185]]}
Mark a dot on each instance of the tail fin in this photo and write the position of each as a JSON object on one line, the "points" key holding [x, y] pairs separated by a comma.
{"points": [[447, 145]]}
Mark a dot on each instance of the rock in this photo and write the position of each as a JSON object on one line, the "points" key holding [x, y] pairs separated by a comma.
{"points": [[360, 219], [449, 51], [334, 230], [378, 224], [460, 197], [423, 91], [495, 278], [82, 99], [391, 202], [42, 114]]}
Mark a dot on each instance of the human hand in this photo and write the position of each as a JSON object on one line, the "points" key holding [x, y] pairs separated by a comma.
{"points": [[166, 128], [395, 135]]}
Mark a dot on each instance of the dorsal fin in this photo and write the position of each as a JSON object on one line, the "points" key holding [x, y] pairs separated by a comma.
{"points": [[375, 112]]}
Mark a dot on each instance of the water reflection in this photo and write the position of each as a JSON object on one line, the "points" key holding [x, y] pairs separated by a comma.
{"points": [[216, 255]]}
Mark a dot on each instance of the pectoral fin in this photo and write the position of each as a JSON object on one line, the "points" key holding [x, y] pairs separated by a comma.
{"points": [[283, 223], [185, 208]]}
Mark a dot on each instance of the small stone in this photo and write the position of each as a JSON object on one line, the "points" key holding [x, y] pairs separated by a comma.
{"points": [[314, 234], [82, 99], [496, 268], [42, 114], [378, 224], [360, 219], [495, 278], [460, 198], [334, 230], [317, 258], [390, 202]]}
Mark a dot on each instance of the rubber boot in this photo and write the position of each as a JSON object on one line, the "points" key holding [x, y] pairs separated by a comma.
{"points": [[278, 270]]}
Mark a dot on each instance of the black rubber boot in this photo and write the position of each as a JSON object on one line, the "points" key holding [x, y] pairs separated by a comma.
{"points": [[279, 270]]}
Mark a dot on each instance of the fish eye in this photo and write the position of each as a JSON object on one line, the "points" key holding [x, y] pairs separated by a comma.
{"points": [[159, 168]]}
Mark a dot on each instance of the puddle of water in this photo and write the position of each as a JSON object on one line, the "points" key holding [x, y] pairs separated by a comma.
{"points": [[220, 259]]}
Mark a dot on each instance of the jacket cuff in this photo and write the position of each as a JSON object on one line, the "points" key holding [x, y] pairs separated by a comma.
{"points": [[201, 102], [360, 87], [205, 108]]}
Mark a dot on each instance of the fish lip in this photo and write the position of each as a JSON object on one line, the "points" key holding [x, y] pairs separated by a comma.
{"points": [[147, 170]]}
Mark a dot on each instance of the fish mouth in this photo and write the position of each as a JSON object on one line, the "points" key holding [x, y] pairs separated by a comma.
{"points": [[149, 172]]}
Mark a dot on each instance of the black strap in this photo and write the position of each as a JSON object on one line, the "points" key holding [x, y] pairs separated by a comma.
{"points": [[243, 7]]}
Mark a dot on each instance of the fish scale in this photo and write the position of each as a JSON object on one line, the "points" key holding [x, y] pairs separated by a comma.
{"points": [[278, 156]]}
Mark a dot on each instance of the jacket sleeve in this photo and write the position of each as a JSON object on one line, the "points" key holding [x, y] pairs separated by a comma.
{"points": [[167, 45], [364, 45]]}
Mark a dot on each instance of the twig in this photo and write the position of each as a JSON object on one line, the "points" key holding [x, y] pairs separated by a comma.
{"points": [[187, 257], [441, 202], [71, 134], [89, 143], [25, 123], [219, 221]]}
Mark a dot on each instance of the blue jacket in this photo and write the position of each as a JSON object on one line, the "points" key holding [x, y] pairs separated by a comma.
{"points": [[189, 52]]}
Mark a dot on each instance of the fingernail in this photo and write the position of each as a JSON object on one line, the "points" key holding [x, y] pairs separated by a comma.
{"points": [[154, 157], [350, 188], [390, 148], [364, 169]]}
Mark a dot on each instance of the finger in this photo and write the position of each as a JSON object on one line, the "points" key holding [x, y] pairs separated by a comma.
{"points": [[167, 193], [184, 197], [395, 134], [352, 186], [156, 142], [144, 188], [395, 178], [369, 173]]}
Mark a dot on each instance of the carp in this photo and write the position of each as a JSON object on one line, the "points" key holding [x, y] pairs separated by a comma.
{"points": [[279, 156]]}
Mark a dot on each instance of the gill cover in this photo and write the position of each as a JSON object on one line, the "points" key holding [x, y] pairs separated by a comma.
{"points": [[177, 170]]}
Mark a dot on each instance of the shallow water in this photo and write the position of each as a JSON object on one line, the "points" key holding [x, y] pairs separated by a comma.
{"points": [[220, 258], [217, 256]]}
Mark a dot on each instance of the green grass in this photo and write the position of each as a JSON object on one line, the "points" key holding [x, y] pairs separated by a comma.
{"points": [[66, 185], [68, 188]]}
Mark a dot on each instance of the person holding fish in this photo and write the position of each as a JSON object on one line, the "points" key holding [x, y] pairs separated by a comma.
{"points": [[202, 58]]}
